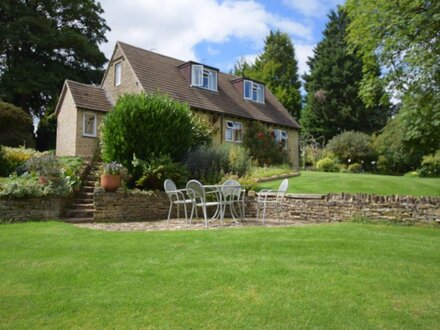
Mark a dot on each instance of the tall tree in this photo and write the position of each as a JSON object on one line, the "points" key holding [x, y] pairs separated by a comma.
{"points": [[405, 37], [278, 69], [333, 102], [44, 42]]}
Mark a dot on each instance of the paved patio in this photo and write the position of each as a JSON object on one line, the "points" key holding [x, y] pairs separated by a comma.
{"points": [[179, 224]]}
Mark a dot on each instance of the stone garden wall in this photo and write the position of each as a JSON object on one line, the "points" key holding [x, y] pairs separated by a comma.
{"points": [[140, 206], [342, 207], [30, 209]]}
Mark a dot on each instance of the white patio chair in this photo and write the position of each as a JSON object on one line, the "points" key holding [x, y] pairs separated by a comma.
{"points": [[233, 195], [197, 192], [277, 203], [177, 197]]}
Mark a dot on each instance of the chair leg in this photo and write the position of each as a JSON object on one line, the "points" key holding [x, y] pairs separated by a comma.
{"points": [[258, 211], [178, 211], [205, 216], [264, 213], [186, 215], [192, 213], [169, 213]]}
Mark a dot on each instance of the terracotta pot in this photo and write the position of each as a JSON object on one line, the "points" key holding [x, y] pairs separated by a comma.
{"points": [[110, 182], [43, 180]]}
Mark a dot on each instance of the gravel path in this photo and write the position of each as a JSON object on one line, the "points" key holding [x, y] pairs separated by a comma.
{"points": [[179, 224]]}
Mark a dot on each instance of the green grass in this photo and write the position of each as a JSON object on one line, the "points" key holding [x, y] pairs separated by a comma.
{"points": [[323, 183], [55, 275]]}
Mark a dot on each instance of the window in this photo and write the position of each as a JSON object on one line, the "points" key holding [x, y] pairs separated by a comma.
{"points": [[117, 74], [203, 77], [234, 131], [89, 124], [281, 138], [253, 91]]}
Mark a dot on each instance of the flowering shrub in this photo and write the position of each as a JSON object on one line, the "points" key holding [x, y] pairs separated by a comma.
{"points": [[260, 141]]}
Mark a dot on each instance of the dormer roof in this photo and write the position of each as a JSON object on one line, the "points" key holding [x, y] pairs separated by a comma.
{"points": [[159, 73]]}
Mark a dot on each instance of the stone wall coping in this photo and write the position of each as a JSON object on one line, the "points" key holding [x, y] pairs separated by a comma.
{"points": [[278, 177]]}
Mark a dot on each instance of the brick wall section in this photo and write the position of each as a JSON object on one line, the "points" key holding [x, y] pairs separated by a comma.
{"points": [[30, 209], [135, 206]]}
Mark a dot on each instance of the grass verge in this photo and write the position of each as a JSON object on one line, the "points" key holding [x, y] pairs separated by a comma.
{"points": [[336, 276]]}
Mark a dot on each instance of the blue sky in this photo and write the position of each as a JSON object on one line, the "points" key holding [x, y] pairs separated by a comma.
{"points": [[215, 32]]}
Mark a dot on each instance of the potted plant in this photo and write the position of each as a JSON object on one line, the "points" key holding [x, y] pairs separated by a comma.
{"points": [[111, 176]]}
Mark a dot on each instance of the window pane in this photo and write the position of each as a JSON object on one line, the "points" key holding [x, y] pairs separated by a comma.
{"points": [[117, 74], [247, 89], [197, 75], [89, 124], [228, 134]]}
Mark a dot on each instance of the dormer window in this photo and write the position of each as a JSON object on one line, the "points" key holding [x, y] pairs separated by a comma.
{"points": [[253, 91], [203, 77]]}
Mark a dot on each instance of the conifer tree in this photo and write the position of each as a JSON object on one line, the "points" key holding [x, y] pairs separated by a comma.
{"points": [[333, 104]]}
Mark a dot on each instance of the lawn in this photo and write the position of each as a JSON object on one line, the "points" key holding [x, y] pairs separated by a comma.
{"points": [[336, 276], [322, 183]]}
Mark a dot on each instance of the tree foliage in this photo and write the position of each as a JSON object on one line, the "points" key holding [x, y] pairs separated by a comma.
{"points": [[47, 131], [333, 102], [405, 37], [149, 126], [44, 42], [16, 127], [277, 67]]}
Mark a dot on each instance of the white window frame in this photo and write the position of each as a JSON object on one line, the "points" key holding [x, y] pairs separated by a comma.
{"points": [[280, 136], [118, 73], [94, 124], [231, 131], [199, 72], [255, 89]]}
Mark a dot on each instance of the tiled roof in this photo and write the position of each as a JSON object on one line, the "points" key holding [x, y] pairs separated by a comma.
{"points": [[89, 97], [161, 73]]}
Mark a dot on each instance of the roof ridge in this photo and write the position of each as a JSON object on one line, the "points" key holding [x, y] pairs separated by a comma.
{"points": [[149, 51], [83, 84]]}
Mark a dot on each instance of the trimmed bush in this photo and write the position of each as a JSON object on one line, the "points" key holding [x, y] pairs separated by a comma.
{"points": [[354, 168], [239, 161], [148, 125], [430, 165], [16, 127], [327, 164], [353, 146]]}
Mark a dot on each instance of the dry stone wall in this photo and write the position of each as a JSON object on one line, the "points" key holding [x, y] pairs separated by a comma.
{"points": [[31, 209], [140, 206]]}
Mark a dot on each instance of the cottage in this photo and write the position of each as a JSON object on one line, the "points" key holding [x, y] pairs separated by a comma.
{"points": [[229, 103]]}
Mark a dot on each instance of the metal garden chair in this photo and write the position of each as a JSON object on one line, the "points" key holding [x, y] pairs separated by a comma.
{"points": [[233, 195], [177, 197], [198, 194], [277, 203]]}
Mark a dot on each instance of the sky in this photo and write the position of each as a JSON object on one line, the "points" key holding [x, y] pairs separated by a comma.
{"points": [[215, 32]]}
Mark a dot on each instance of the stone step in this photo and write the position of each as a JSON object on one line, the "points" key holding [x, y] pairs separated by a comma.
{"points": [[91, 178], [89, 183], [74, 213], [85, 194], [82, 206], [84, 200], [87, 188]]}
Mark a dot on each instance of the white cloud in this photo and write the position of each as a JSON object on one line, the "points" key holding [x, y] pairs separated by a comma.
{"points": [[175, 27], [312, 8], [303, 52], [211, 51]]}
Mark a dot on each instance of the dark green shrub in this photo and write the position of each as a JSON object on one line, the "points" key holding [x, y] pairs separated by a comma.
{"points": [[150, 124], [354, 168], [260, 141], [327, 164], [4, 167], [351, 147], [16, 127], [208, 164], [151, 174], [430, 165]]}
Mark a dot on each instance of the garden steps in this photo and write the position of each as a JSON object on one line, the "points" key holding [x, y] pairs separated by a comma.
{"points": [[82, 208]]}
